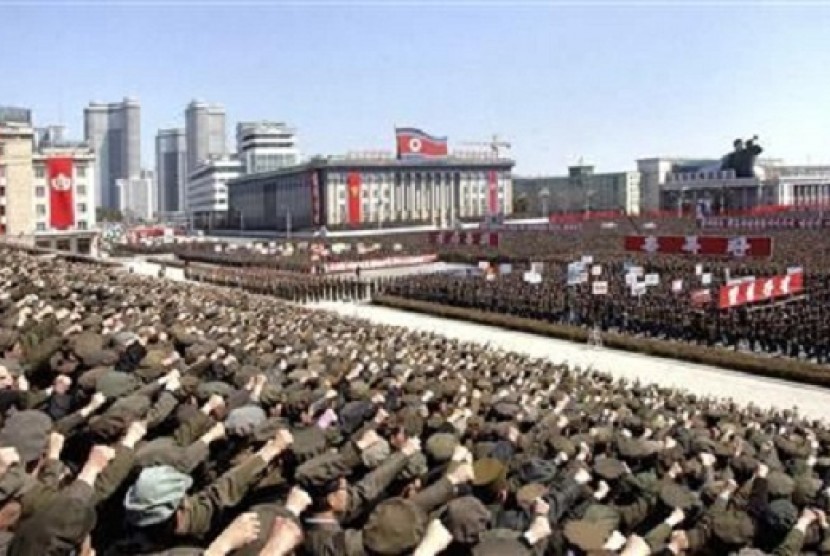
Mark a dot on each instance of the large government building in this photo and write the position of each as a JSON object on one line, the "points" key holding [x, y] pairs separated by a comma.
{"points": [[374, 188]]}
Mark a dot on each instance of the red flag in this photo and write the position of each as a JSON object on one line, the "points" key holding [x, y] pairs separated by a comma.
{"points": [[61, 208], [414, 143], [354, 182]]}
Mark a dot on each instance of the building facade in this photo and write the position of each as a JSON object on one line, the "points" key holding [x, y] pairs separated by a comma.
{"points": [[370, 190], [721, 191], [171, 170], [580, 190], [266, 146], [138, 198], [47, 188], [114, 133], [207, 191], [204, 133]]}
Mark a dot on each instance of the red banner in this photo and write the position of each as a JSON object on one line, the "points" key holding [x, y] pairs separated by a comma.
{"points": [[700, 298], [487, 239], [61, 208], [353, 184], [740, 246], [762, 289], [493, 192], [315, 199]]}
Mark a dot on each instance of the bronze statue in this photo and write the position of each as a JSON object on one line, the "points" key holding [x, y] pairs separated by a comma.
{"points": [[742, 159]]}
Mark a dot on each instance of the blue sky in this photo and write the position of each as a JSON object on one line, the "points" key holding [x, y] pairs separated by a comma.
{"points": [[606, 82]]}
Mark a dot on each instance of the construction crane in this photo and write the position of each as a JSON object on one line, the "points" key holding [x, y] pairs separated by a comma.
{"points": [[495, 145]]}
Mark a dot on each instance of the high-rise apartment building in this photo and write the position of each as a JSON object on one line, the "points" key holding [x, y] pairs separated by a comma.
{"points": [[138, 197], [205, 133], [171, 171], [266, 146], [114, 133]]}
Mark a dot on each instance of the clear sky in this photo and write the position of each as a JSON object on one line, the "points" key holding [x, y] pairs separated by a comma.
{"points": [[610, 83]]}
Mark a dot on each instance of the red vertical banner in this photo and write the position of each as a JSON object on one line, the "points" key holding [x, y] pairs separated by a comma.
{"points": [[61, 208], [493, 192], [353, 184], [315, 199]]}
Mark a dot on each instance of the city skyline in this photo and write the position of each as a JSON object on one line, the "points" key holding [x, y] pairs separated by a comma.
{"points": [[604, 83]]}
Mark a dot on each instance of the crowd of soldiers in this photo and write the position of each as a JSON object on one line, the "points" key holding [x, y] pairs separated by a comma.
{"points": [[298, 288], [797, 326], [142, 416]]}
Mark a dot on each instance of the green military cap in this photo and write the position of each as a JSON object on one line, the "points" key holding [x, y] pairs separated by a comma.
{"points": [[214, 388], [805, 490], [733, 527], [489, 473], [781, 515], [309, 442], [634, 448], [86, 345], [586, 535], [59, 528], [415, 385], [528, 494], [559, 443], [114, 384], [164, 451], [395, 527], [780, 484], [677, 496], [791, 449], [359, 390], [466, 518], [744, 464], [609, 469], [117, 418], [440, 446], [416, 467], [28, 432], [603, 435], [506, 410], [501, 546]]}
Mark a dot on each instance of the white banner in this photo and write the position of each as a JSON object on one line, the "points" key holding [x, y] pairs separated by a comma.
{"points": [[532, 277], [596, 270], [652, 279], [600, 287], [351, 266], [706, 278], [638, 288]]}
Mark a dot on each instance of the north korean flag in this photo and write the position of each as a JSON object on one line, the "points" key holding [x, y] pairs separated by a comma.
{"points": [[414, 143]]}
